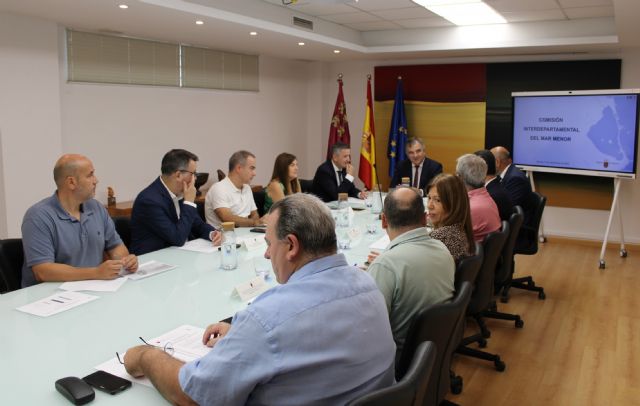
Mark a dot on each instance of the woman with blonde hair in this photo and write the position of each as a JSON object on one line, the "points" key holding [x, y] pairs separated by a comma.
{"points": [[284, 180], [450, 215]]}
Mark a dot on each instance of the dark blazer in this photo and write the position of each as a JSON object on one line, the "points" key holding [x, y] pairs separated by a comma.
{"points": [[501, 197], [404, 169], [326, 187], [155, 224], [516, 183]]}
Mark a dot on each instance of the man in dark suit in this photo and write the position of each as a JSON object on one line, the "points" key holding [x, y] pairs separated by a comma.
{"points": [[336, 176], [164, 214], [494, 187], [418, 163], [514, 181]]}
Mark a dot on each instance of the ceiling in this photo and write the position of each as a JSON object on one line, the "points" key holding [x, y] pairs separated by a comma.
{"points": [[364, 29]]}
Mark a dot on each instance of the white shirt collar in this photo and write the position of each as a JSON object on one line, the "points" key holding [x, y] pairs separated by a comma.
{"points": [[504, 172], [173, 196]]}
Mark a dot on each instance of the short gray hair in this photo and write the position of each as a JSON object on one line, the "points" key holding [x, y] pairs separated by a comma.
{"points": [[414, 140], [239, 158], [472, 169], [309, 219]]}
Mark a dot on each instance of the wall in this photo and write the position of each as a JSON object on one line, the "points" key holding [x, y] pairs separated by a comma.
{"points": [[576, 223], [30, 126]]}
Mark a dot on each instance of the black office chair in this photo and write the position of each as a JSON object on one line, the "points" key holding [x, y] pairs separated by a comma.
{"points": [[466, 271], [11, 261], [123, 228], [438, 324], [527, 244], [258, 197], [306, 185], [504, 270], [410, 390], [482, 296]]}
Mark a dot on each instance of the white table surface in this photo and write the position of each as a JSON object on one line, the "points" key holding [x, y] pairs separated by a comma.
{"points": [[37, 351]]}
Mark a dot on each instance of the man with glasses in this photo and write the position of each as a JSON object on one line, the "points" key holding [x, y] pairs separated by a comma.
{"points": [[231, 199], [165, 214], [321, 337], [67, 236]]}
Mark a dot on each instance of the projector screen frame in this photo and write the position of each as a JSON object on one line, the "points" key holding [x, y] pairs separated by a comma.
{"points": [[574, 171]]}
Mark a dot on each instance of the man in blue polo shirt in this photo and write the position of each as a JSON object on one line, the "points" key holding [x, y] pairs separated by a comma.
{"points": [[67, 235], [321, 337]]}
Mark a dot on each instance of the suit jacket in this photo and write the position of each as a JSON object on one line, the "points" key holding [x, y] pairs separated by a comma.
{"points": [[516, 183], [404, 169], [501, 197], [155, 224], [326, 187]]}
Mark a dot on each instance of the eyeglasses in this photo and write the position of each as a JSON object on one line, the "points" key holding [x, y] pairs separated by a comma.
{"points": [[168, 348], [194, 173]]}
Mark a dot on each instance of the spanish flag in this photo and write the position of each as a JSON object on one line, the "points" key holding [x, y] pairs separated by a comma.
{"points": [[367, 172]]}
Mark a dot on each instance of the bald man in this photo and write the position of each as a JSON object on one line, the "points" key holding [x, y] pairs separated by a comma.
{"points": [[67, 235], [513, 179]]}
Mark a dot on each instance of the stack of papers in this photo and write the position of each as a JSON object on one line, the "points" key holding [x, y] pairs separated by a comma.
{"points": [[150, 268], [199, 245], [185, 340], [56, 303]]}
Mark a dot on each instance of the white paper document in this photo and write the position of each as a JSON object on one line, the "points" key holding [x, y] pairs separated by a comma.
{"points": [[94, 285], [56, 303], [356, 203], [150, 268], [252, 242], [199, 245], [381, 244], [186, 342], [251, 289]]}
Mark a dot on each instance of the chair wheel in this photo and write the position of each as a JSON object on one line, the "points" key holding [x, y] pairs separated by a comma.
{"points": [[456, 385], [542, 296], [482, 343], [504, 299], [486, 334], [519, 323], [602, 264], [500, 366], [623, 253]]}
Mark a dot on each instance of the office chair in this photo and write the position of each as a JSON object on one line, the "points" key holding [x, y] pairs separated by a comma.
{"points": [[259, 194], [436, 323], [306, 185], [527, 244], [482, 295], [410, 390], [504, 270], [221, 174], [466, 271], [11, 261], [123, 228], [201, 179]]}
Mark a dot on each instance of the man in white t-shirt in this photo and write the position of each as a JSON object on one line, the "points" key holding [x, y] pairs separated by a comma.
{"points": [[231, 199]]}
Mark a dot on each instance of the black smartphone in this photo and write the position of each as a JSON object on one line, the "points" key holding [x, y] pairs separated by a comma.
{"points": [[258, 230], [107, 382]]}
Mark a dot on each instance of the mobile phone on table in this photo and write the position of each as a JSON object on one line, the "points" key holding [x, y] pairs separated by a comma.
{"points": [[107, 382], [258, 230]]}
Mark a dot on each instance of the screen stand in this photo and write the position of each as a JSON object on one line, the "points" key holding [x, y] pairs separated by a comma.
{"points": [[541, 237], [615, 205]]}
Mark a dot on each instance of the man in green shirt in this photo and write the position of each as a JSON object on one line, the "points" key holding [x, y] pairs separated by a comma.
{"points": [[415, 271]]}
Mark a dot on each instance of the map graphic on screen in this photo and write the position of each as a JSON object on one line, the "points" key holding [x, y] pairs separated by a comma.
{"points": [[576, 132]]}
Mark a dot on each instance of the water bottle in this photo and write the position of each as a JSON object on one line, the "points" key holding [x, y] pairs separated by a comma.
{"points": [[228, 248], [343, 210], [376, 201]]}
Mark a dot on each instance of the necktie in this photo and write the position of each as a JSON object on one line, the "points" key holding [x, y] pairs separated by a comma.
{"points": [[339, 177], [499, 178], [415, 176]]}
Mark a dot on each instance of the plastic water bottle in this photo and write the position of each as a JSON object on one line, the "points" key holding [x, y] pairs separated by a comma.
{"points": [[228, 248], [343, 210]]}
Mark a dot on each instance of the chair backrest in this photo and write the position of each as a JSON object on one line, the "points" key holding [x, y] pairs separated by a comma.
{"points": [[123, 228], [436, 323], [527, 242], [504, 268], [258, 197], [410, 390], [306, 185], [220, 174], [483, 289], [11, 261], [468, 267]]}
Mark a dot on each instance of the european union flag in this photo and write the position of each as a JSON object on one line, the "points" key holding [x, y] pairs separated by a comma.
{"points": [[398, 131]]}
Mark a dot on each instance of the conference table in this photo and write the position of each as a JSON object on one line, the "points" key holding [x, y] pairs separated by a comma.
{"points": [[36, 351]]}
